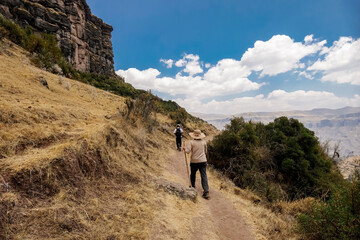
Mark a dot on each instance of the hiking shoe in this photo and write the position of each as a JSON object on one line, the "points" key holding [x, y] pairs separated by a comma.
{"points": [[206, 195]]}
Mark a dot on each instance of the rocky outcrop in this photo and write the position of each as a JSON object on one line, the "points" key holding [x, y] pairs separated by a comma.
{"points": [[177, 189], [84, 38]]}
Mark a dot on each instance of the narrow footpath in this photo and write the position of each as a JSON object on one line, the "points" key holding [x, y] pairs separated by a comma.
{"points": [[218, 219]]}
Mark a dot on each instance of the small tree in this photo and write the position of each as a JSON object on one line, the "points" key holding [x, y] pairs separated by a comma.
{"points": [[282, 159]]}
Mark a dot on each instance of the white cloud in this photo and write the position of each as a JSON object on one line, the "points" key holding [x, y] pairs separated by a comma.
{"points": [[191, 64], [309, 38], [341, 63], [227, 70], [140, 79], [168, 62], [278, 100], [180, 63], [278, 55], [186, 85], [306, 74], [229, 77]]}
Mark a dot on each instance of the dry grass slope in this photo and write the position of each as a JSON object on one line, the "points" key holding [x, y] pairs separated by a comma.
{"points": [[72, 167]]}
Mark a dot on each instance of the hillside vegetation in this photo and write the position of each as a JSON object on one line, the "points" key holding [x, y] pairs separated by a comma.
{"points": [[283, 161], [77, 162], [45, 54]]}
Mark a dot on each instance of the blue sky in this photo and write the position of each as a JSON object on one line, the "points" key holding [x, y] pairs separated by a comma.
{"points": [[238, 56]]}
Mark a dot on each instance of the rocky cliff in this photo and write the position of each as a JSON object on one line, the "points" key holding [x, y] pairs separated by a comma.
{"points": [[84, 38]]}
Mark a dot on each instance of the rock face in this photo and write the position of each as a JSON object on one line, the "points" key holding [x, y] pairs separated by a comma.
{"points": [[84, 38]]}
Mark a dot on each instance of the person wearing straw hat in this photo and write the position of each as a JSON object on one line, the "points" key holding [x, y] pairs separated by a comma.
{"points": [[198, 149]]}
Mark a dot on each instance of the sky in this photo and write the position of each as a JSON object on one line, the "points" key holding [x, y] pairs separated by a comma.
{"points": [[234, 56]]}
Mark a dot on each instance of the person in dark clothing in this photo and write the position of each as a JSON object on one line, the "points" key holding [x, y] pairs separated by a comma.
{"points": [[178, 135]]}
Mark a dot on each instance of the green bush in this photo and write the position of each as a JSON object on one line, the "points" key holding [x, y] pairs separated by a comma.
{"points": [[180, 115], [114, 84], [143, 108], [282, 159], [337, 218], [168, 106]]}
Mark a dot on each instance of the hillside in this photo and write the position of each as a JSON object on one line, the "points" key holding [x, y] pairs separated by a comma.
{"points": [[75, 165]]}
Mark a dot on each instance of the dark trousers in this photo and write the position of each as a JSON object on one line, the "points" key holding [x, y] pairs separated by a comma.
{"points": [[202, 168], [178, 142]]}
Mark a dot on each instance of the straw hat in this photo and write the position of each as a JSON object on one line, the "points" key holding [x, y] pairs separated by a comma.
{"points": [[197, 134]]}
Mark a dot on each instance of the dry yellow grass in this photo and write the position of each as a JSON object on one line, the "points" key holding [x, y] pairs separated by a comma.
{"points": [[78, 170]]}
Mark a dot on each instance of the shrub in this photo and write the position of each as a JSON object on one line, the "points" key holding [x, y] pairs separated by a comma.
{"points": [[282, 159], [338, 218], [168, 106], [142, 108], [114, 84], [180, 115]]}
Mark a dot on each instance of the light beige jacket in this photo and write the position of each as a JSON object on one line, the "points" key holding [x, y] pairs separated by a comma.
{"points": [[198, 150]]}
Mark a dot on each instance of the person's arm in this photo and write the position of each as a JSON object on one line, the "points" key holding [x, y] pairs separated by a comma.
{"points": [[188, 147], [206, 151]]}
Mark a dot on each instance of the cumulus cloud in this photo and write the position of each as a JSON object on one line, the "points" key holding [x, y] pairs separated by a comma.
{"points": [[278, 55], [140, 79], [186, 85], [231, 77], [227, 77], [227, 69], [341, 63], [191, 64], [180, 63], [168, 62], [309, 38]]}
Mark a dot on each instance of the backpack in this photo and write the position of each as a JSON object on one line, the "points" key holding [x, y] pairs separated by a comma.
{"points": [[178, 132]]}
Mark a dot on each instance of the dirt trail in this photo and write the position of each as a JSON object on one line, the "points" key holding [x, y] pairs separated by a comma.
{"points": [[218, 218]]}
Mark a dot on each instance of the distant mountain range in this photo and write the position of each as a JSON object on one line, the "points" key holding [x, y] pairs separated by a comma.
{"points": [[337, 125]]}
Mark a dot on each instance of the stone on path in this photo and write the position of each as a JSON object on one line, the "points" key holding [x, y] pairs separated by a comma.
{"points": [[179, 190]]}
